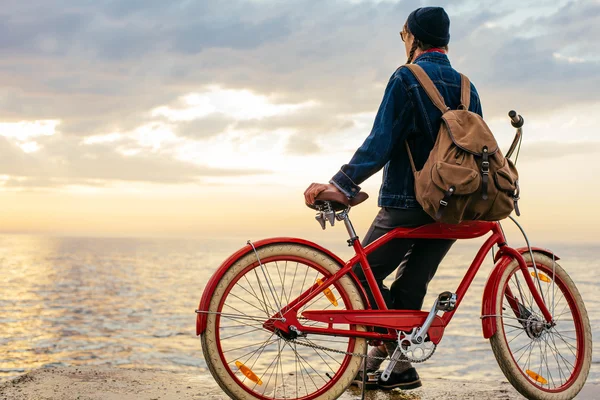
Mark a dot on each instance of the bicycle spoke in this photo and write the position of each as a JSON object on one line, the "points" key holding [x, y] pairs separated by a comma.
{"points": [[258, 358], [338, 299], [516, 328], [302, 365], [250, 304], [282, 378], [241, 319], [262, 291], [240, 326], [246, 346], [250, 352], [529, 355], [266, 307], [242, 315], [524, 346], [293, 280], [259, 354], [277, 358], [325, 339], [544, 355], [565, 361], [321, 357], [569, 345], [296, 371], [560, 373], [264, 373], [304, 362], [271, 285], [327, 352], [242, 334], [303, 282], [519, 334]]}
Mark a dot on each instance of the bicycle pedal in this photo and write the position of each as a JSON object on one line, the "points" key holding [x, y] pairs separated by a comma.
{"points": [[446, 301], [373, 376]]}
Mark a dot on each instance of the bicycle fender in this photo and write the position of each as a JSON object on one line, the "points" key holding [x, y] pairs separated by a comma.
{"points": [[216, 277], [488, 303]]}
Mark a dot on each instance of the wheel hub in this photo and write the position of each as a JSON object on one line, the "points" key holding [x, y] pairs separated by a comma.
{"points": [[291, 335], [534, 327]]}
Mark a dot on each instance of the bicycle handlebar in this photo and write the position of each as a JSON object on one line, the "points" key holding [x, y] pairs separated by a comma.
{"points": [[515, 119]]}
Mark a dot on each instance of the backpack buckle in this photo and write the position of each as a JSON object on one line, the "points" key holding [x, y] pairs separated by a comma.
{"points": [[444, 202], [485, 171]]}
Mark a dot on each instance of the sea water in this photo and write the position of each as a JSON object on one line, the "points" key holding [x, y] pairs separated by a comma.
{"points": [[130, 303]]}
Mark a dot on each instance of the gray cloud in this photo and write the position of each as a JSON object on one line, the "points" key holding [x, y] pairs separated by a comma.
{"points": [[302, 145], [62, 162], [313, 120], [101, 66], [550, 150], [202, 128]]}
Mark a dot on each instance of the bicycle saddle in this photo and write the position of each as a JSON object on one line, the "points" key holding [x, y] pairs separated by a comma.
{"points": [[337, 200]]}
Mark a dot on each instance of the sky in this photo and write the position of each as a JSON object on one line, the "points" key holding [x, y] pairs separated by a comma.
{"points": [[210, 118]]}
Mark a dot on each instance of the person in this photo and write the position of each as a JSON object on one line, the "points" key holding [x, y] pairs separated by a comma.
{"points": [[405, 114]]}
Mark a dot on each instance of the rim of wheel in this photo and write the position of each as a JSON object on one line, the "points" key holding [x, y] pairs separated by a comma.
{"points": [[550, 358], [262, 303]]}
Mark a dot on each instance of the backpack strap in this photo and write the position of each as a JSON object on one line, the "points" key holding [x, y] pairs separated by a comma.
{"points": [[465, 92], [410, 158], [429, 87]]}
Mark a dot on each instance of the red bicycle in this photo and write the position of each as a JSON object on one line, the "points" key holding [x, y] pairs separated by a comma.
{"points": [[285, 318]]}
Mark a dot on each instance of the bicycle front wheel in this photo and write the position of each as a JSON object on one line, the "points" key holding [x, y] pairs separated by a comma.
{"points": [[542, 362], [251, 362]]}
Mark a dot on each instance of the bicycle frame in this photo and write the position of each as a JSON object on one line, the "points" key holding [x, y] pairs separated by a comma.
{"points": [[404, 320]]}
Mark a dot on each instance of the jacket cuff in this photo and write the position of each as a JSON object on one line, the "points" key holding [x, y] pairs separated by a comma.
{"points": [[345, 184]]}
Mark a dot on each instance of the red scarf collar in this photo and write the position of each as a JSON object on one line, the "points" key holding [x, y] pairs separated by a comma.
{"points": [[435, 50]]}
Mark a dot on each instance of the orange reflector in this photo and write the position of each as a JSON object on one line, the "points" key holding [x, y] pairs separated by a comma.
{"points": [[543, 277], [248, 372], [328, 294], [536, 377]]}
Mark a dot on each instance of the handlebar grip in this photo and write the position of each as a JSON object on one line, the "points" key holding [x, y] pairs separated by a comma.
{"points": [[515, 119]]}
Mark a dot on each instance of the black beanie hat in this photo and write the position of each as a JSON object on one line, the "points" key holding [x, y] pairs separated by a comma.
{"points": [[431, 25]]}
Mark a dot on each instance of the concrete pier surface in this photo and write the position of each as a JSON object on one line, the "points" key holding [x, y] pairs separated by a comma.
{"points": [[104, 383]]}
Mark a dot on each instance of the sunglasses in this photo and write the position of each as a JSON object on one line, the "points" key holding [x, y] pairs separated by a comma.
{"points": [[403, 35]]}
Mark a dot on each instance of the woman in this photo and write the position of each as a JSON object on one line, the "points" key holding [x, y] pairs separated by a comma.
{"points": [[405, 114]]}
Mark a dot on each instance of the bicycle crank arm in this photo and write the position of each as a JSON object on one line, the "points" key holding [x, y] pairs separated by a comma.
{"points": [[427, 324], [390, 367]]}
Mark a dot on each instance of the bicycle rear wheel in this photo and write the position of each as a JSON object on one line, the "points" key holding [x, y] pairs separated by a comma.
{"points": [[541, 362], [251, 362]]}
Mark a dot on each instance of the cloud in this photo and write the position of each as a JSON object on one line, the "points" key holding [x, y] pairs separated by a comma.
{"points": [[102, 67], [302, 145], [206, 127], [551, 150], [64, 162]]}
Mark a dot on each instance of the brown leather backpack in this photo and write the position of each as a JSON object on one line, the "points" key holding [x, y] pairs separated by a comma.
{"points": [[465, 177]]}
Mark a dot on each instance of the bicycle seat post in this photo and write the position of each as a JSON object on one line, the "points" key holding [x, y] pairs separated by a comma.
{"points": [[343, 216]]}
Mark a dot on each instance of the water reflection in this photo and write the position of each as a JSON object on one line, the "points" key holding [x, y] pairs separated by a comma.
{"points": [[131, 302]]}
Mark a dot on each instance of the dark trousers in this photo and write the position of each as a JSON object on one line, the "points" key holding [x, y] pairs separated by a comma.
{"points": [[417, 259]]}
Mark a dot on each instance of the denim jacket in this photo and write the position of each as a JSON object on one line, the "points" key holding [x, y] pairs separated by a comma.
{"points": [[406, 114]]}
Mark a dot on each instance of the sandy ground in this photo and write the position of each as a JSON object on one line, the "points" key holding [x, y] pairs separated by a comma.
{"points": [[96, 383]]}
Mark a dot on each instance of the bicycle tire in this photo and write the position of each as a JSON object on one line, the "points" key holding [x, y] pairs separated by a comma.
{"points": [[570, 365], [213, 339]]}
